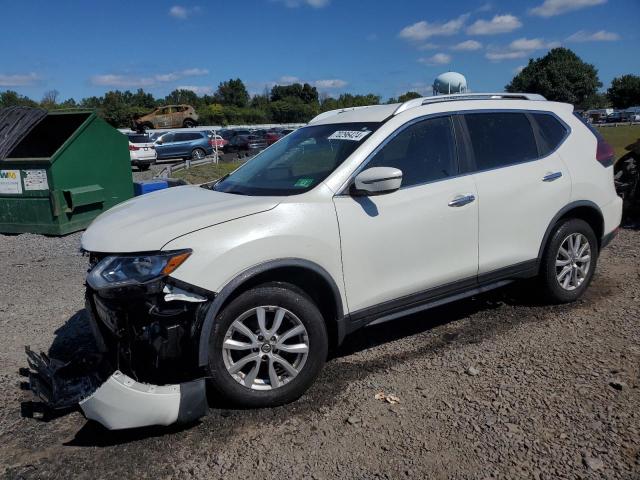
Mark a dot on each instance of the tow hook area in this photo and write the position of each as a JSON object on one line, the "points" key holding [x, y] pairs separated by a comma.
{"points": [[119, 402]]}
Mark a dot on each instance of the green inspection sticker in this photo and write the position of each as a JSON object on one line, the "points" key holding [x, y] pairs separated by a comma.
{"points": [[304, 182]]}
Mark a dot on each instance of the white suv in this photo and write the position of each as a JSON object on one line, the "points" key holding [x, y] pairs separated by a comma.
{"points": [[363, 216]]}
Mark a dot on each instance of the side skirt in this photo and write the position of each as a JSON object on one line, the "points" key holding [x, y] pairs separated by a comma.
{"points": [[438, 296]]}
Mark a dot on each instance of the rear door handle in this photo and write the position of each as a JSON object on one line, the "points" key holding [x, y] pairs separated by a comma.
{"points": [[551, 176], [461, 200]]}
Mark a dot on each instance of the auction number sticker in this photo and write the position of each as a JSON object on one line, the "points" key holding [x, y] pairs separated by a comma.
{"points": [[35, 180], [10, 182], [352, 135]]}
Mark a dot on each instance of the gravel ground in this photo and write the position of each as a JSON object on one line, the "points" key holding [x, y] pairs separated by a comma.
{"points": [[492, 387]]}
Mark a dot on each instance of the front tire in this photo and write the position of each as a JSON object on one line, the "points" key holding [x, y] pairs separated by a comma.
{"points": [[569, 261], [267, 346]]}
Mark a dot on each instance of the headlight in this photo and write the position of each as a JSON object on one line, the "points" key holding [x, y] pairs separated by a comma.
{"points": [[130, 270]]}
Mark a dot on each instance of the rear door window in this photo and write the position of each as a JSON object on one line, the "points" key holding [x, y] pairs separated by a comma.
{"points": [[500, 139], [551, 132]]}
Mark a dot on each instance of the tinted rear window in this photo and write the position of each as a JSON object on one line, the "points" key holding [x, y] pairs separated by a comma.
{"points": [[500, 139], [139, 138], [551, 131]]}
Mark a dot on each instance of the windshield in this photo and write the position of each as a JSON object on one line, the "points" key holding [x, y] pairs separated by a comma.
{"points": [[298, 162]]}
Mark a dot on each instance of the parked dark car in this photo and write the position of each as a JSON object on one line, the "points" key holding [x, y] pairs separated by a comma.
{"points": [[195, 145], [239, 143]]}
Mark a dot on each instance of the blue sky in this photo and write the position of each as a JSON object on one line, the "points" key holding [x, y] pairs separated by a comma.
{"points": [[384, 47]]}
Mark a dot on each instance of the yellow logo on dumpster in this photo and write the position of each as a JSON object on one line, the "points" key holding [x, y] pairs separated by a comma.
{"points": [[9, 174]]}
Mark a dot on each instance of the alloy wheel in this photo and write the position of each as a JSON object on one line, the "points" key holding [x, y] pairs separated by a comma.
{"points": [[573, 261], [265, 347]]}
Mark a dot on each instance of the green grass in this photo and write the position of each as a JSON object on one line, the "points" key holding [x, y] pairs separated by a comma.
{"points": [[620, 137], [206, 173]]}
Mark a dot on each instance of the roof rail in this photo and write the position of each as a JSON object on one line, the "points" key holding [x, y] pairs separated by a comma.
{"points": [[417, 102]]}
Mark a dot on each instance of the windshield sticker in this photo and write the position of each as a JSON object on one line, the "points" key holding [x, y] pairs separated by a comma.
{"points": [[304, 182], [352, 135]]}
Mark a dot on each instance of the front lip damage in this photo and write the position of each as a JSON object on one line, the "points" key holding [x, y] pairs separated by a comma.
{"points": [[118, 403], [121, 402]]}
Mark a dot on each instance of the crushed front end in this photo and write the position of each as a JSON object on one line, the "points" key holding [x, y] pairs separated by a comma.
{"points": [[146, 326]]}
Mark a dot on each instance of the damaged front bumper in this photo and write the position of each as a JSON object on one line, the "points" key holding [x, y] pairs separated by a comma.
{"points": [[145, 370], [117, 403], [121, 402]]}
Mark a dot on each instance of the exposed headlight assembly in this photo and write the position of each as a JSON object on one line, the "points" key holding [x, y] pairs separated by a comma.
{"points": [[118, 271]]}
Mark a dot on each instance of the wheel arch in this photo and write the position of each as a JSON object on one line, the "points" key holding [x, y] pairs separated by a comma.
{"points": [[582, 209], [310, 277]]}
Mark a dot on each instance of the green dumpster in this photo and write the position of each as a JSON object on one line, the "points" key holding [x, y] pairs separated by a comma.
{"points": [[59, 170]]}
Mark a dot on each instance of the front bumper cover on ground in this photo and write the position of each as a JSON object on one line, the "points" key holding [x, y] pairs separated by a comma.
{"points": [[119, 402]]}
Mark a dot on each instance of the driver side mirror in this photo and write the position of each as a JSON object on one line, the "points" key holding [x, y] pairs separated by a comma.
{"points": [[377, 181]]}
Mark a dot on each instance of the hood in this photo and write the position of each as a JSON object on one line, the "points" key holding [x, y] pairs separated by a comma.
{"points": [[150, 221]]}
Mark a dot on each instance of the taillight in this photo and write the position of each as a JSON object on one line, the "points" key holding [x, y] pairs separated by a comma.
{"points": [[604, 152], [212, 142], [133, 147]]}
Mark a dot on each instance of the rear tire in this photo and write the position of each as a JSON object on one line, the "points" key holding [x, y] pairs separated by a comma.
{"points": [[565, 271], [188, 123], [271, 383], [198, 154]]}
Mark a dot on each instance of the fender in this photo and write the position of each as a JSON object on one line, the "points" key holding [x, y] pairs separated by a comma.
{"points": [[559, 215], [229, 288]]}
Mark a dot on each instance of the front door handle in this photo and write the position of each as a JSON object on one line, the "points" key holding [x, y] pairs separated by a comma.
{"points": [[462, 200], [551, 176]]}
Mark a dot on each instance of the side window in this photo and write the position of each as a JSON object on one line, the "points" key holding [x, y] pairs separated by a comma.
{"points": [[424, 151], [183, 137], [161, 111], [551, 132], [500, 139], [168, 137]]}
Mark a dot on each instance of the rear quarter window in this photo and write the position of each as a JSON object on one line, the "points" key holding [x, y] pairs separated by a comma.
{"points": [[551, 132]]}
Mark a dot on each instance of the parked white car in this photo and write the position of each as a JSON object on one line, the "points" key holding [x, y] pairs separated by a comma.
{"points": [[363, 216], [142, 150]]}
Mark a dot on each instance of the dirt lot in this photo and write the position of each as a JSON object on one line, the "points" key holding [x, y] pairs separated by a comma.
{"points": [[493, 387]]}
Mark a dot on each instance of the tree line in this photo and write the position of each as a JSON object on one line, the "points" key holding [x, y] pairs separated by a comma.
{"points": [[560, 76]]}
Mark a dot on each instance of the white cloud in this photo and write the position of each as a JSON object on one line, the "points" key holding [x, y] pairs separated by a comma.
{"points": [[18, 80], [520, 48], [332, 83], [182, 13], [288, 80], [485, 7], [137, 81], [498, 24], [518, 69], [550, 8], [422, 30], [298, 3], [437, 59], [497, 56], [468, 45], [599, 36], [197, 89], [429, 46]]}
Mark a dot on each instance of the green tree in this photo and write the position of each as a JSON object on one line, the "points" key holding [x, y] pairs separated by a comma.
{"points": [[624, 91], [232, 93], [182, 96], [306, 92], [560, 76], [408, 96], [9, 98]]}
